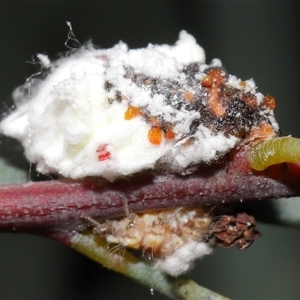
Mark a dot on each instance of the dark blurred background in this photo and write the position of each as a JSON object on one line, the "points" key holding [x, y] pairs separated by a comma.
{"points": [[253, 39]]}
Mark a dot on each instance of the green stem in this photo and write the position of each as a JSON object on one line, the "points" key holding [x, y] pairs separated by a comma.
{"points": [[123, 262]]}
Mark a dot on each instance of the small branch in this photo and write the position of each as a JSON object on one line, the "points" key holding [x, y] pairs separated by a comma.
{"points": [[57, 206], [125, 263]]}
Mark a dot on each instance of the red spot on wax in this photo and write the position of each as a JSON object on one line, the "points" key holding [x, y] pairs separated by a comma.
{"points": [[103, 153]]}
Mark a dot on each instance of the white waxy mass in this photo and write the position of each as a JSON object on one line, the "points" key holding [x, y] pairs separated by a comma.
{"points": [[72, 121]]}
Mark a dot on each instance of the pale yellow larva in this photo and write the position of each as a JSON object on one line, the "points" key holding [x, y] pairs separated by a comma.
{"points": [[275, 151]]}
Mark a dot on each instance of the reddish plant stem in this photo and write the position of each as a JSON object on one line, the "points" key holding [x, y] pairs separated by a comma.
{"points": [[54, 208]]}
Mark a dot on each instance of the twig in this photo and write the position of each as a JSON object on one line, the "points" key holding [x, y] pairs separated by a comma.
{"points": [[57, 206], [125, 263]]}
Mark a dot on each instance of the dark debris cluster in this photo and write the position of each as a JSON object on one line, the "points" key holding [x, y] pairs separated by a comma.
{"points": [[236, 229], [189, 94]]}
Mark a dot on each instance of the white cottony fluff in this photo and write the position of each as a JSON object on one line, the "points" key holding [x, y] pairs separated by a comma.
{"points": [[65, 118], [182, 259]]}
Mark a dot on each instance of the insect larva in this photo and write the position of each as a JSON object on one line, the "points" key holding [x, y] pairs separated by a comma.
{"points": [[275, 151], [157, 232]]}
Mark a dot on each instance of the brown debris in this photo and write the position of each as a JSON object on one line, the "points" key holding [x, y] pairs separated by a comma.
{"points": [[261, 132], [269, 102], [188, 96], [207, 81], [239, 229], [218, 77], [222, 107]]}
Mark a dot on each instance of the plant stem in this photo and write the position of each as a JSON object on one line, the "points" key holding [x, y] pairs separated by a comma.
{"points": [[123, 262], [57, 206]]}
